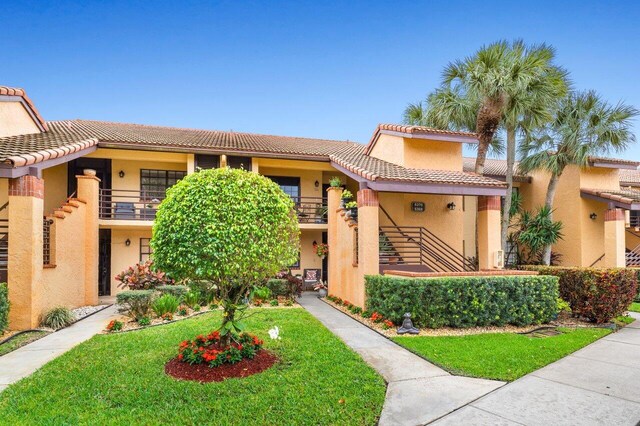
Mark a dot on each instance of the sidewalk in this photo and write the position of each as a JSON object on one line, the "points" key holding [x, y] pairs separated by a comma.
{"points": [[24, 361], [418, 392], [597, 385]]}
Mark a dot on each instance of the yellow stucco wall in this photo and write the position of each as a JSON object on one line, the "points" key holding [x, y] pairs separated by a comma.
{"points": [[389, 148], [15, 120], [469, 228], [122, 256], [430, 154], [55, 189]]}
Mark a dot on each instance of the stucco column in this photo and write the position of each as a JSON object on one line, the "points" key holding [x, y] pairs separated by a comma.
{"points": [[89, 192], [26, 210], [488, 231], [333, 203], [614, 239], [368, 241]]}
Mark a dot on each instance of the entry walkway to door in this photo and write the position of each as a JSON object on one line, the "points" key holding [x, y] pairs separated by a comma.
{"points": [[418, 392], [26, 360]]}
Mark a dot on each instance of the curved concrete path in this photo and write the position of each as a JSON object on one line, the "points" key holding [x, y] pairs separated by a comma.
{"points": [[26, 360], [597, 385], [418, 392]]}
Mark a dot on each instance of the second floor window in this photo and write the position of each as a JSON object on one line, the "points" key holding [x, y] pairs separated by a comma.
{"points": [[156, 182], [289, 185]]}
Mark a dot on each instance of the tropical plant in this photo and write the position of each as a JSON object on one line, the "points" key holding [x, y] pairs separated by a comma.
{"points": [[229, 227], [165, 304], [4, 307], [135, 303], [58, 317], [584, 125], [179, 291], [142, 276], [335, 182], [191, 298], [261, 293], [115, 325]]}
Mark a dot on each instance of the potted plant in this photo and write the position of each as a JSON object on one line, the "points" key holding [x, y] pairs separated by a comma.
{"points": [[335, 182], [322, 250], [352, 209], [346, 197], [321, 288]]}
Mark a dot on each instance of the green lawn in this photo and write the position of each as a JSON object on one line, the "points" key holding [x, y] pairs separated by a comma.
{"points": [[635, 307], [119, 380], [501, 356], [21, 340]]}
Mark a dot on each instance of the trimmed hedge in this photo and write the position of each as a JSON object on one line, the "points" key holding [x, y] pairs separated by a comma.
{"points": [[4, 307], [464, 301], [177, 291], [597, 294]]}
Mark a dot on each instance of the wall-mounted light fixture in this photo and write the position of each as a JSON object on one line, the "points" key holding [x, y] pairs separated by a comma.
{"points": [[317, 184], [451, 206], [417, 206], [121, 173], [593, 216], [315, 243], [127, 242]]}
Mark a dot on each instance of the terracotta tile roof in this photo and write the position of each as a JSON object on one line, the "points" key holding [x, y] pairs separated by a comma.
{"points": [[626, 196], [13, 91], [615, 161], [374, 169], [24, 150], [629, 177], [495, 168], [420, 132], [145, 137]]}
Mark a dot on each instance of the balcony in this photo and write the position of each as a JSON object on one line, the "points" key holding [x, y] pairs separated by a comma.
{"points": [[128, 205]]}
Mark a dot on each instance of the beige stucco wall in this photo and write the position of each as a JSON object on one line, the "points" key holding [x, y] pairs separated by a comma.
{"points": [[122, 256], [430, 154], [470, 208], [15, 120], [389, 148], [55, 193]]}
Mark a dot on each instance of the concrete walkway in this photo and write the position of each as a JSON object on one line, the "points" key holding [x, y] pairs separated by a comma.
{"points": [[597, 385], [24, 361], [418, 392]]}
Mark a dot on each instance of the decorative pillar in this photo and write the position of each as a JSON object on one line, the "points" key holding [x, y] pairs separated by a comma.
{"points": [[89, 193], [488, 231], [191, 163], [333, 260], [614, 239], [26, 210], [368, 241]]}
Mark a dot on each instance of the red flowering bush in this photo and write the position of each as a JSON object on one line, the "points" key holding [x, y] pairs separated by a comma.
{"points": [[141, 276], [386, 324], [114, 325], [376, 317], [209, 350]]}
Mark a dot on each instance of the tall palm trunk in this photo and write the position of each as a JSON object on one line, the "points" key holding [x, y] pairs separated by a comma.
{"points": [[548, 202], [511, 159], [487, 122]]}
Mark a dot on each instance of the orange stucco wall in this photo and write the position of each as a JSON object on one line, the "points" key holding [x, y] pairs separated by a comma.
{"points": [[418, 153], [15, 120]]}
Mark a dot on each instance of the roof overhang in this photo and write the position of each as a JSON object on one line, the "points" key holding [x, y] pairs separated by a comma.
{"points": [[422, 187], [626, 204], [614, 165], [9, 171], [426, 135]]}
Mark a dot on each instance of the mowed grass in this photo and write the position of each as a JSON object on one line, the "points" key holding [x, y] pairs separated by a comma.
{"points": [[634, 307], [21, 340], [119, 379], [500, 356]]}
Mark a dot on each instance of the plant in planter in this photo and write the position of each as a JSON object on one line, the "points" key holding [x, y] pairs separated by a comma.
{"points": [[322, 250], [352, 209], [243, 231], [335, 182], [346, 197]]}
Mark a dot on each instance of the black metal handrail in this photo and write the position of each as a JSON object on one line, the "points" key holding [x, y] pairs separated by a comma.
{"points": [[311, 209], [124, 204]]}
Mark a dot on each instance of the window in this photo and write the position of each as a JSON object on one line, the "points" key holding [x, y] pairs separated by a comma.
{"points": [[236, 162], [290, 185], [207, 161], [145, 249], [156, 182]]}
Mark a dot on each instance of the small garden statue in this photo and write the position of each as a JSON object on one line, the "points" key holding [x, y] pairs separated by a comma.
{"points": [[407, 325]]}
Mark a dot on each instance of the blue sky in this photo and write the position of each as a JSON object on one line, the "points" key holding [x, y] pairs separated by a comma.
{"points": [[316, 69]]}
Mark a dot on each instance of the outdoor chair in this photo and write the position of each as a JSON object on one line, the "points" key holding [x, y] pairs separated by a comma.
{"points": [[124, 211], [310, 277]]}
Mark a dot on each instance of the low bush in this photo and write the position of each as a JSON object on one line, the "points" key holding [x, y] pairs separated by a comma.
{"points": [[191, 298], [115, 325], [165, 305], [463, 301], [4, 307], [142, 276], [178, 291], [209, 349], [58, 317], [597, 294], [135, 303], [261, 294]]}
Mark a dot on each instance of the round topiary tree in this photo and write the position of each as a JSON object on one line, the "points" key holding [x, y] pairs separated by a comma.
{"points": [[229, 227]]}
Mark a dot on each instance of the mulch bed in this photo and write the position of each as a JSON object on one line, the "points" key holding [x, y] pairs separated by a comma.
{"points": [[203, 373]]}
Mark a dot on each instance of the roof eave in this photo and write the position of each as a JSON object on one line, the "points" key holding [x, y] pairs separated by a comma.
{"points": [[423, 135], [613, 165]]}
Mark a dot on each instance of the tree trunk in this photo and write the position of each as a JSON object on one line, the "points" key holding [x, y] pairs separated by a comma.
{"points": [[511, 159], [487, 122], [548, 202], [229, 315]]}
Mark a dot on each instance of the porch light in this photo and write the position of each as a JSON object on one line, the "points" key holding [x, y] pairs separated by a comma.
{"points": [[593, 216], [451, 206], [317, 184], [121, 173], [127, 242]]}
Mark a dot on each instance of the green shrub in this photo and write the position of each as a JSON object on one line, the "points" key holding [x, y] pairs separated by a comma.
{"points": [[261, 293], [4, 307], [165, 304], [144, 321], [191, 298], [464, 301], [178, 291], [58, 317], [279, 287], [274, 302], [135, 303], [597, 294]]}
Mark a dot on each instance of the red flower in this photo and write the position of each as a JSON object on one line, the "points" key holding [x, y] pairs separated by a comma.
{"points": [[180, 357]]}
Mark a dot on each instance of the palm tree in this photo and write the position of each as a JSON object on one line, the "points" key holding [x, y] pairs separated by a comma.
{"points": [[584, 125], [508, 85]]}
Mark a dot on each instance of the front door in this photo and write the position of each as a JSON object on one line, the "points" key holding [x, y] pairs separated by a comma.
{"points": [[104, 263]]}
